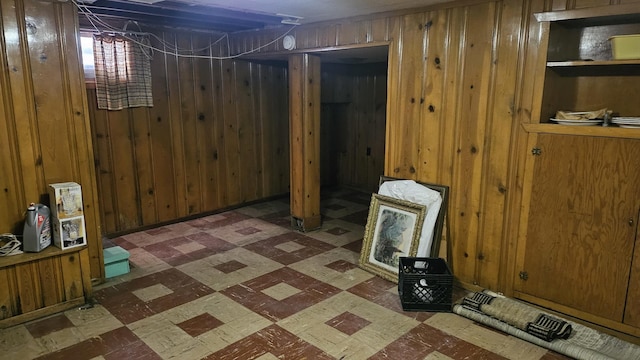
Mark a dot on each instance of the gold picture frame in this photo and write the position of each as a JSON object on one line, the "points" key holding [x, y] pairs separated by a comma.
{"points": [[392, 231]]}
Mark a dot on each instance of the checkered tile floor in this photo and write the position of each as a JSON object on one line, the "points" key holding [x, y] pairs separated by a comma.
{"points": [[243, 285]]}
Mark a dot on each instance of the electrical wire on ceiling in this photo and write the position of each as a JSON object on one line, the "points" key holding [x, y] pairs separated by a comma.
{"points": [[142, 39]]}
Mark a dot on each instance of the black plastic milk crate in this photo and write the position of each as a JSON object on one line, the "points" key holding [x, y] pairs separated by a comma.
{"points": [[425, 284]]}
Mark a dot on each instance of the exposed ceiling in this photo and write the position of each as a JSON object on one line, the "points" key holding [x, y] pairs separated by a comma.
{"points": [[238, 15], [228, 16]]}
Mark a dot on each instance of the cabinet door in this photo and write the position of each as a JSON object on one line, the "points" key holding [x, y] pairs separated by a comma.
{"points": [[579, 242], [632, 311]]}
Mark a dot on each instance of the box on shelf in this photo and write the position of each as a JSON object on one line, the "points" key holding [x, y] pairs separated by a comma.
{"points": [[625, 47], [66, 200], [425, 284], [69, 232], [116, 261]]}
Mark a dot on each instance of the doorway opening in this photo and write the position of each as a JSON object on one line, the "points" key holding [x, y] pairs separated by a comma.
{"points": [[353, 117]]}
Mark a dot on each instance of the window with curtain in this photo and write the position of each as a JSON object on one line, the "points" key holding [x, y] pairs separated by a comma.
{"points": [[123, 73]]}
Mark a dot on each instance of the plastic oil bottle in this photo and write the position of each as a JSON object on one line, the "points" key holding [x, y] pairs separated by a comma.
{"points": [[37, 228]]}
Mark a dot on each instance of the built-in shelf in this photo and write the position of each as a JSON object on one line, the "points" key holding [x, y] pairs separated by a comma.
{"points": [[29, 257], [609, 13], [576, 63], [606, 131]]}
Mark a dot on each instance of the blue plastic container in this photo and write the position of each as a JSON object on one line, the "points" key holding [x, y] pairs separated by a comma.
{"points": [[116, 261]]}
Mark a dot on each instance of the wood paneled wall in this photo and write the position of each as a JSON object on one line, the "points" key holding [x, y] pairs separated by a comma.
{"points": [[461, 79], [44, 129], [217, 136]]}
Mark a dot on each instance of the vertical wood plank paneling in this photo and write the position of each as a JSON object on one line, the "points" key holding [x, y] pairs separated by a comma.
{"points": [[141, 134], [205, 111], [281, 100], [258, 128], [404, 109], [378, 130], [123, 169], [162, 151], [28, 280], [175, 118], [9, 189], [188, 116], [327, 36], [219, 155], [246, 131], [72, 276], [201, 126], [429, 166], [348, 33], [23, 120], [51, 124], [468, 166], [50, 282], [359, 115], [501, 120], [104, 164], [379, 30], [232, 145], [7, 296]]}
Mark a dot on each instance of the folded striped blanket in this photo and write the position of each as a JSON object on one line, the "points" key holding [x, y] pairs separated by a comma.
{"points": [[519, 315]]}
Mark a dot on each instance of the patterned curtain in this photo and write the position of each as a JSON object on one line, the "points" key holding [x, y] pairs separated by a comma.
{"points": [[123, 73]]}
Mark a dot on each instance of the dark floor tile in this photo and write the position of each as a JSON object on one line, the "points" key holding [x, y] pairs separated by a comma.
{"points": [[200, 324], [123, 243], [248, 231], [84, 350], [48, 325], [118, 338], [158, 231], [341, 266], [338, 231], [372, 288], [355, 246], [359, 217], [335, 207], [211, 242], [348, 323], [230, 217], [281, 218], [137, 350], [272, 340], [230, 266]]}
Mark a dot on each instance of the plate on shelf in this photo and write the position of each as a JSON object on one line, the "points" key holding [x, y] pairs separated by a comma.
{"points": [[628, 126], [578, 122], [626, 120]]}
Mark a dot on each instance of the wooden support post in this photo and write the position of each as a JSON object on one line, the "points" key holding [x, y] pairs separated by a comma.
{"points": [[304, 129]]}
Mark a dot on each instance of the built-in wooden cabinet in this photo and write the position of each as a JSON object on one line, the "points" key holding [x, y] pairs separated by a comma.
{"points": [[34, 285], [581, 224], [578, 244]]}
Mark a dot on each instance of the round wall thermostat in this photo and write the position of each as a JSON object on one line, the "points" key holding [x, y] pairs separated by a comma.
{"points": [[289, 42]]}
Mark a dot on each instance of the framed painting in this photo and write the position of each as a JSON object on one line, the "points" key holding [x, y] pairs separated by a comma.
{"points": [[392, 231]]}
